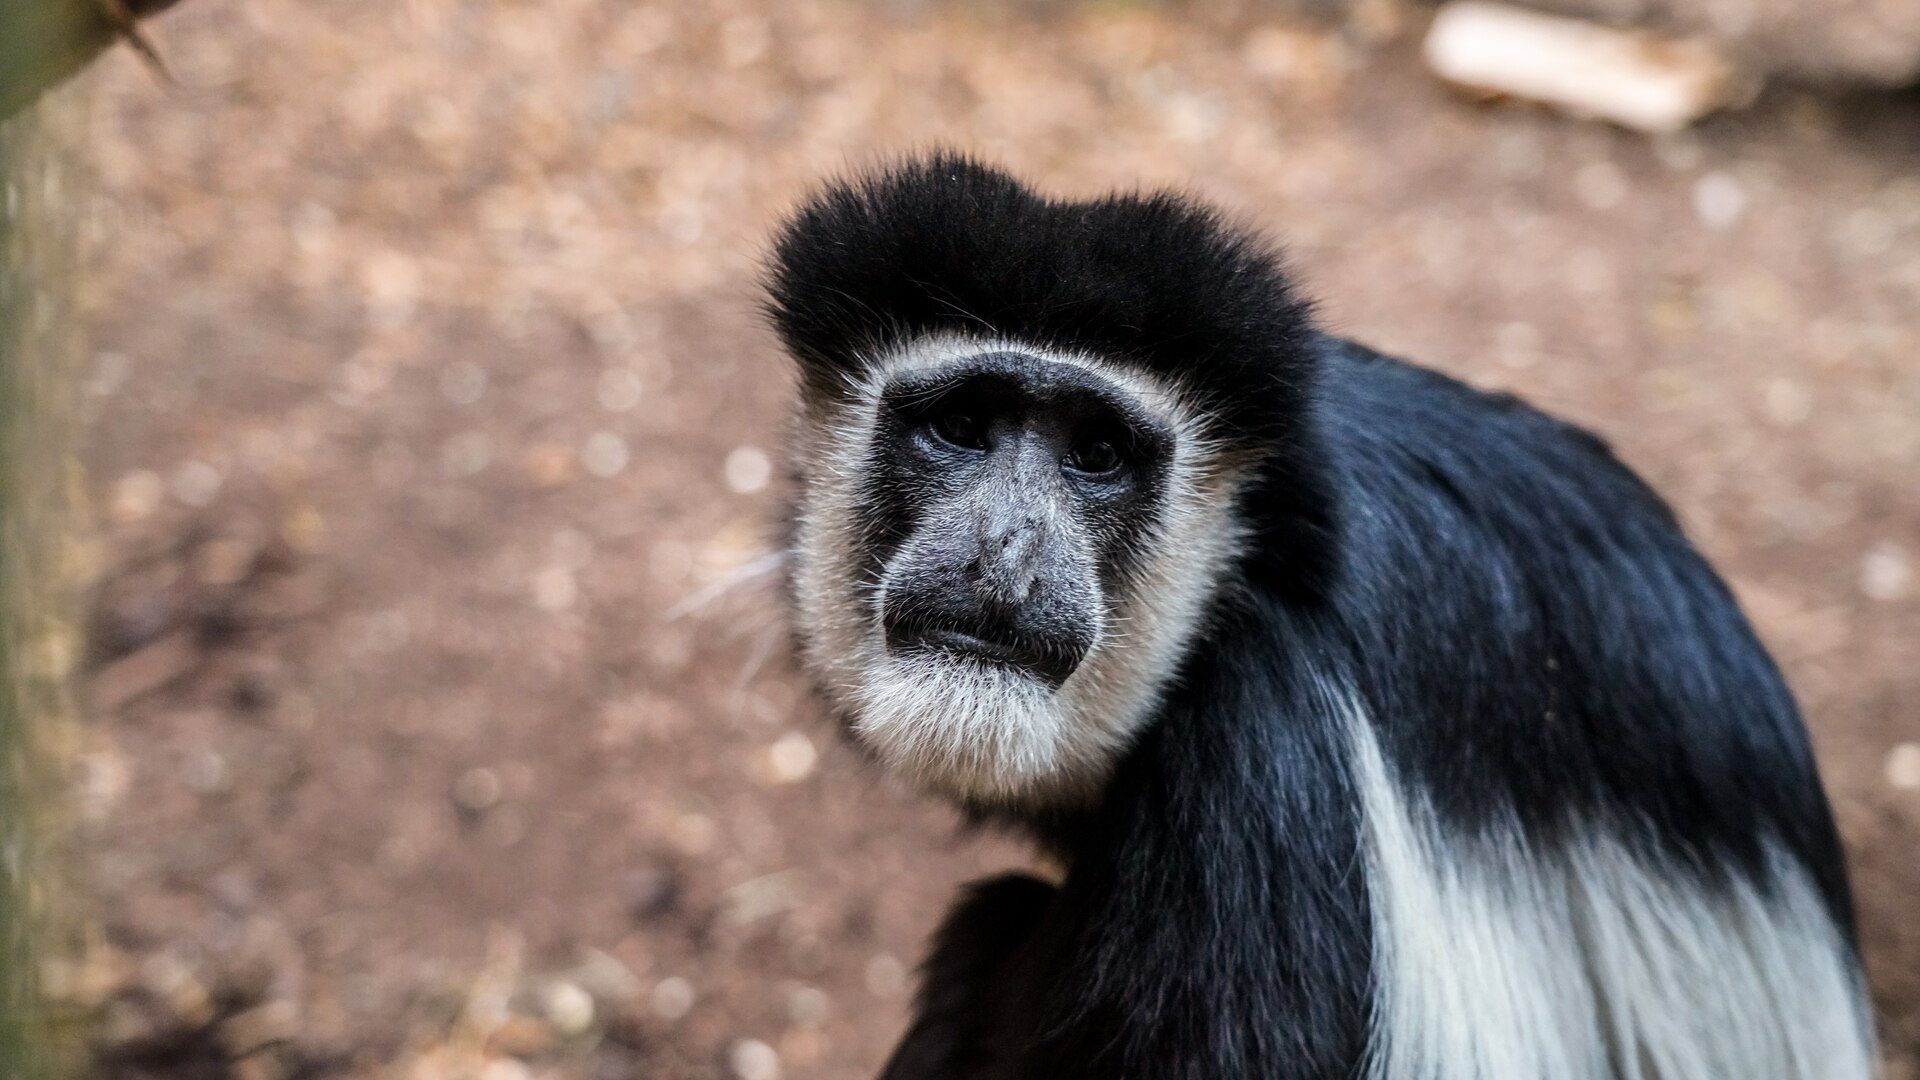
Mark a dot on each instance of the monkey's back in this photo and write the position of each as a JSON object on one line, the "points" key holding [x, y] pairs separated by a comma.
{"points": [[1545, 645]]}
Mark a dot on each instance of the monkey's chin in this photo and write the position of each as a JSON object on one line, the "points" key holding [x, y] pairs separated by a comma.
{"points": [[967, 728]]}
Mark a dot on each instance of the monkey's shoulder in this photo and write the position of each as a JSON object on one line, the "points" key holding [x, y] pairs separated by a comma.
{"points": [[1480, 534], [1410, 440], [1461, 509]]}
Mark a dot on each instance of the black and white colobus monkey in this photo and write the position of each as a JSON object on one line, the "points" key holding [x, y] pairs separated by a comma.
{"points": [[1386, 729]]}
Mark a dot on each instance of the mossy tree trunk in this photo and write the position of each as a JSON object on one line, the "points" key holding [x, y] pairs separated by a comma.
{"points": [[38, 343], [42, 42]]}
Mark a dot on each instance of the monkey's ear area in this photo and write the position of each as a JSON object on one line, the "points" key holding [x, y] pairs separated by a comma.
{"points": [[863, 264]]}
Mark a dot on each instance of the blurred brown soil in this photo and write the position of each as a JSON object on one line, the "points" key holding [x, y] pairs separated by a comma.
{"points": [[430, 404]]}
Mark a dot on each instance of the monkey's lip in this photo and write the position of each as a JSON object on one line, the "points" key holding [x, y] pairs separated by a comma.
{"points": [[961, 641], [1041, 663]]}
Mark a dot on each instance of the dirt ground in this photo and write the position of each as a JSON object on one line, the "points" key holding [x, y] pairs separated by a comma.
{"points": [[430, 411]]}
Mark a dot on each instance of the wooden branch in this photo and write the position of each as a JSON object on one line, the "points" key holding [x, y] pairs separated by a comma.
{"points": [[43, 42], [1630, 78]]}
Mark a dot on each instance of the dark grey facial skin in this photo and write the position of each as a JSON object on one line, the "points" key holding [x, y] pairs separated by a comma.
{"points": [[1009, 495]]}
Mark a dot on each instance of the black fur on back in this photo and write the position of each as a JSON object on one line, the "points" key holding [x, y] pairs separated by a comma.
{"points": [[945, 244]]}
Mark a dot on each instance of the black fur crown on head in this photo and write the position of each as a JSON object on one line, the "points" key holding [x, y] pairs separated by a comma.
{"points": [[944, 243]]}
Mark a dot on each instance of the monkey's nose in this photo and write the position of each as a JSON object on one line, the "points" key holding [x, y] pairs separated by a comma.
{"points": [[1009, 563]]}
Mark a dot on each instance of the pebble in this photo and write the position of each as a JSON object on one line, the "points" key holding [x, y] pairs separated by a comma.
{"points": [[569, 1008], [170, 980], [603, 976], [672, 998], [792, 757], [555, 588], [314, 228], [807, 1006], [272, 1022], [550, 464], [619, 389], [140, 673], [605, 455], [754, 1060], [137, 495], [804, 1048], [196, 483], [477, 789], [886, 976], [747, 470], [506, 1068], [1903, 767], [1719, 200], [1868, 232], [760, 897], [103, 778], [110, 370], [225, 561], [1886, 572]]}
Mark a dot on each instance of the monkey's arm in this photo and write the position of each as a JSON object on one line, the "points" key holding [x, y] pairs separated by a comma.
{"points": [[967, 980], [1214, 923]]}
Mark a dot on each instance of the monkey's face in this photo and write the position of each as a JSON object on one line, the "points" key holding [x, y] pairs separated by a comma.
{"points": [[1009, 495], [1002, 554]]}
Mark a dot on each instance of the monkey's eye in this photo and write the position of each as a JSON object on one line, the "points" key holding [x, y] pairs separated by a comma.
{"points": [[1093, 456], [962, 429]]}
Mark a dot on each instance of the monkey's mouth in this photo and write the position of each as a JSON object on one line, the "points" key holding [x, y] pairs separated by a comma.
{"points": [[1049, 661]]}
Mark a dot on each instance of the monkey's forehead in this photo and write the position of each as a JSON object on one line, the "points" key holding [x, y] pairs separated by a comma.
{"points": [[931, 358], [941, 244]]}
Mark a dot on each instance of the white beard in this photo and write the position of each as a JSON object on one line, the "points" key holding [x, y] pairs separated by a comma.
{"points": [[964, 727]]}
